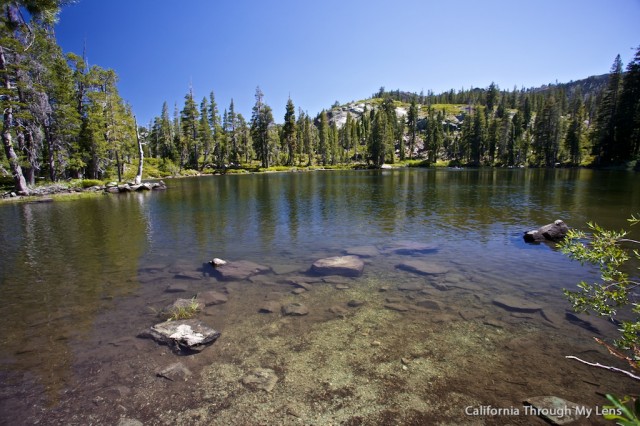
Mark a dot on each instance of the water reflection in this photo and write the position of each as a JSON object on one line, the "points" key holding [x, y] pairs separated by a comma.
{"points": [[71, 258]]}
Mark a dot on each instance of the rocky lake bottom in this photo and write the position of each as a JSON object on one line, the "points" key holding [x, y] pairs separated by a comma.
{"points": [[399, 344]]}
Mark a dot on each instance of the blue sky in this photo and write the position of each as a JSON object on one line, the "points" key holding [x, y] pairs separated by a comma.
{"points": [[325, 51]]}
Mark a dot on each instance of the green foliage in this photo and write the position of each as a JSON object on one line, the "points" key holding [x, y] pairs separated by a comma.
{"points": [[620, 410], [614, 296], [88, 183], [184, 312]]}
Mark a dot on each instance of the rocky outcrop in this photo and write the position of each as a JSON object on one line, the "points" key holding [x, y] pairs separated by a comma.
{"points": [[183, 336], [555, 231], [348, 266], [238, 270]]}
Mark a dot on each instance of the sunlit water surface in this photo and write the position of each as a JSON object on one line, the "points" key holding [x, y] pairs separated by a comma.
{"points": [[78, 277]]}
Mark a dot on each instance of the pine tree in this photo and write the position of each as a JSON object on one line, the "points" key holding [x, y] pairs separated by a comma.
{"points": [[381, 138], [244, 139], [575, 132], [478, 137], [177, 137], [232, 135], [323, 135], [346, 137], [334, 153], [165, 142], [216, 128], [189, 119], [492, 99], [605, 139], [547, 134], [513, 154], [628, 113], [289, 132], [204, 133], [412, 124], [261, 123]]}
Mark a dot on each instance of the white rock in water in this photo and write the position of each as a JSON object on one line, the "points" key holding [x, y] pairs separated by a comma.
{"points": [[218, 262], [186, 334], [182, 335]]}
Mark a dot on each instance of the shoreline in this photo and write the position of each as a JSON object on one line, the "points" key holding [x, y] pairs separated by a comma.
{"points": [[62, 192]]}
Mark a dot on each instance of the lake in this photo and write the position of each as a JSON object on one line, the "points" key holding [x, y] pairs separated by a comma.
{"points": [[79, 280]]}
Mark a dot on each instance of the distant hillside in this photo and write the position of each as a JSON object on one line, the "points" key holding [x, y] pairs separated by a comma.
{"points": [[457, 104], [589, 86]]}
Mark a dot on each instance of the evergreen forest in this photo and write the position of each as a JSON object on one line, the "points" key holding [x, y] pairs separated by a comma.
{"points": [[63, 119]]}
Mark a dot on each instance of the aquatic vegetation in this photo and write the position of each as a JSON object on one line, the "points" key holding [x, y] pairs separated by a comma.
{"points": [[184, 311]]}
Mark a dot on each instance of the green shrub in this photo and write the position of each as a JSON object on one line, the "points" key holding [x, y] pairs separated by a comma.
{"points": [[189, 172], [88, 183]]}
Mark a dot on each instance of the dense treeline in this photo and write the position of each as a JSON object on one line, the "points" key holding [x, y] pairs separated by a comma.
{"points": [[592, 122], [63, 119]]}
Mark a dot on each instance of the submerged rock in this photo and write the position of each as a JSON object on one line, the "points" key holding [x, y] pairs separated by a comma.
{"points": [[396, 307], [261, 378], [555, 410], [295, 309], [429, 304], [175, 371], [410, 248], [555, 231], [515, 304], [210, 298], [270, 307], [410, 286], [422, 267], [177, 287], [239, 270], [349, 266], [183, 335]]}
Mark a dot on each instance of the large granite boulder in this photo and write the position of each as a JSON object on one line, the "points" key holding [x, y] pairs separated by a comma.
{"points": [[238, 270], [348, 266], [555, 231], [184, 336]]}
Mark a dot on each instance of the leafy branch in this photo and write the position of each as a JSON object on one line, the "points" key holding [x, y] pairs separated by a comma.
{"points": [[615, 292]]}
